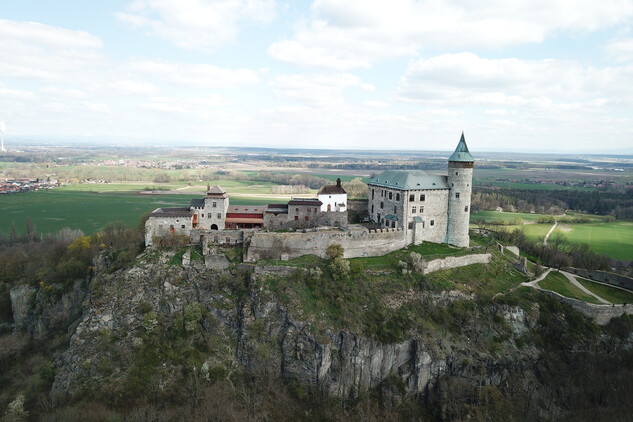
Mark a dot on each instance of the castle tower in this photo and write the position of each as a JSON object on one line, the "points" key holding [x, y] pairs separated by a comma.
{"points": [[216, 204], [460, 181]]}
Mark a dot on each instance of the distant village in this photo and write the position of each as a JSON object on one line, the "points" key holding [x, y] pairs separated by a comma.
{"points": [[19, 185]]}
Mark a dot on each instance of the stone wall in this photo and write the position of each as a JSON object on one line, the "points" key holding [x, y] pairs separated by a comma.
{"points": [[601, 314], [456, 261], [161, 227], [358, 205], [604, 277], [356, 243], [319, 219]]}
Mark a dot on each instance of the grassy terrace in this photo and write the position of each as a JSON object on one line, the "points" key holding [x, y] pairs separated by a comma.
{"points": [[612, 294], [558, 283]]}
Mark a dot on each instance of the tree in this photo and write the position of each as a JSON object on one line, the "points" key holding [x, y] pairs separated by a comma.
{"points": [[335, 251]]}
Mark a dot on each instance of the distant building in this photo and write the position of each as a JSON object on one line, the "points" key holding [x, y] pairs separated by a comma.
{"points": [[426, 207]]}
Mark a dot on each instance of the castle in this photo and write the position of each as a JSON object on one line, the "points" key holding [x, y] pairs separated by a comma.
{"points": [[407, 207]]}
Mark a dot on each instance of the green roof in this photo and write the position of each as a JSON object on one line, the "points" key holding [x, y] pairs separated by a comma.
{"points": [[409, 180], [461, 153]]}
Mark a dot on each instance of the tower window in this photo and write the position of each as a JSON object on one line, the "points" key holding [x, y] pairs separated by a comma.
{"points": [[466, 208], [422, 197], [372, 194], [372, 208], [410, 225], [413, 210], [456, 194], [421, 210], [432, 222], [382, 205], [390, 195], [397, 196], [219, 215], [215, 205], [411, 198], [456, 173], [395, 209], [296, 217]]}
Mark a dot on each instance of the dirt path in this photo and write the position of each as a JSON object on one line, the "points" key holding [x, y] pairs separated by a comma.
{"points": [[550, 232], [575, 282], [534, 283]]}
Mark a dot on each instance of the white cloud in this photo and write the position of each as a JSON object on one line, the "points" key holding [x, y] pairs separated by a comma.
{"points": [[317, 90], [194, 106], [192, 75], [342, 35], [32, 50], [467, 79], [129, 87], [621, 50], [196, 24]]}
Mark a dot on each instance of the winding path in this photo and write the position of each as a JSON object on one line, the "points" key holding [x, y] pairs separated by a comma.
{"points": [[550, 232]]}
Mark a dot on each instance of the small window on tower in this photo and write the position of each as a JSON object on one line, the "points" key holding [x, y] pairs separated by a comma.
{"points": [[372, 194], [411, 225], [307, 218], [219, 215], [372, 208], [411, 198], [456, 194], [215, 205], [202, 215], [382, 205], [390, 194], [432, 222], [182, 226], [421, 210], [422, 197], [397, 196], [456, 173], [395, 209], [466, 208], [296, 217], [413, 210]]}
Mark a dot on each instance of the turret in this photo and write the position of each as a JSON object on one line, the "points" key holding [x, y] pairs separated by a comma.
{"points": [[460, 181]]}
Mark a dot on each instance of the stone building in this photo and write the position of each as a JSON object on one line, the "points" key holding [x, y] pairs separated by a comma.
{"points": [[426, 207], [333, 197]]}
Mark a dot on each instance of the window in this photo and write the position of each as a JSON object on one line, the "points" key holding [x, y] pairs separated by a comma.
{"points": [[202, 215], [397, 196], [411, 225], [456, 173], [395, 209], [411, 198], [422, 197], [421, 210], [372, 194], [182, 226], [456, 194], [390, 194], [315, 210], [214, 205], [307, 218], [413, 210], [432, 222], [219, 215], [297, 209], [372, 208], [296, 217], [382, 205], [466, 208]]}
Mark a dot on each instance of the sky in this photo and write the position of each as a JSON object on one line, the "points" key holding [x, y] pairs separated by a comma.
{"points": [[520, 75]]}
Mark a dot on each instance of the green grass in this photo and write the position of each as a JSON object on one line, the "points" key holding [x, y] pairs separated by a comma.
{"points": [[503, 216], [558, 283], [54, 209], [612, 239], [612, 294]]}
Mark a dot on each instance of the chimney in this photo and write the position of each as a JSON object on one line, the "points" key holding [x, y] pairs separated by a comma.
{"points": [[338, 182]]}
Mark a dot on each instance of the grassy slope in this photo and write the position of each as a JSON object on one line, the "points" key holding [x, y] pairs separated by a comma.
{"points": [[558, 283], [613, 239], [611, 294]]}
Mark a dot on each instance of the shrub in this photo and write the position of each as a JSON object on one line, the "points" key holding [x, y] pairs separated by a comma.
{"points": [[335, 251]]}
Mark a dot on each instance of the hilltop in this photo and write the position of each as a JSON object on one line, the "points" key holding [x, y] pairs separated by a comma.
{"points": [[164, 338]]}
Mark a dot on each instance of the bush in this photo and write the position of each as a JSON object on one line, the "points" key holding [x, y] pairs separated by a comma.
{"points": [[335, 251]]}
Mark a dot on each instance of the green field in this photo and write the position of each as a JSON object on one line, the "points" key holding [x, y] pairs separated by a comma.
{"points": [[495, 216], [612, 294], [558, 283], [52, 210], [612, 239]]}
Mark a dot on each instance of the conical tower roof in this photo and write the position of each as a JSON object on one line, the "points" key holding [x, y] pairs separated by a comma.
{"points": [[461, 154]]}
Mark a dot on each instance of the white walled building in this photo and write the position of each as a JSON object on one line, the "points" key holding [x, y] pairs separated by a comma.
{"points": [[426, 207], [333, 197]]}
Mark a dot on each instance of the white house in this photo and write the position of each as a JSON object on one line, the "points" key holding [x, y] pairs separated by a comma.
{"points": [[333, 197]]}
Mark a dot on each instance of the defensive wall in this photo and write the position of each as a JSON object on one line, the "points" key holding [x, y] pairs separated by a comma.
{"points": [[356, 243], [456, 261], [601, 314], [326, 218], [604, 277]]}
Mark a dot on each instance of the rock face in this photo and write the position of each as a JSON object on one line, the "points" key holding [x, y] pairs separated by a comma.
{"points": [[340, 363], [20, 304]]}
